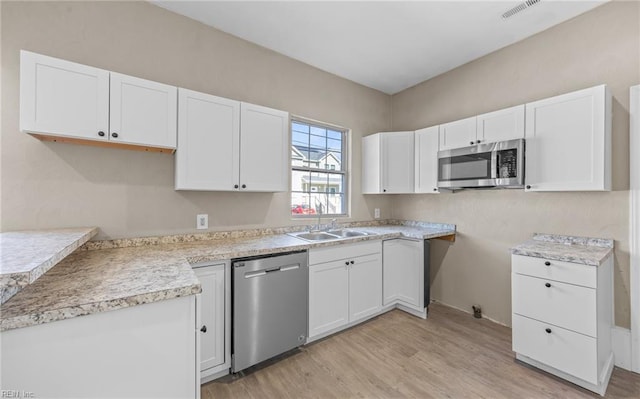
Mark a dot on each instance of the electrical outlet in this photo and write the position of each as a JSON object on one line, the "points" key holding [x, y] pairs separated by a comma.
{"points": [[376, 213], [202, 221]]}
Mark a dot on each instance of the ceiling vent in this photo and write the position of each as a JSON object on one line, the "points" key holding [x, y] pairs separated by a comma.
{"points": [[519, 8]]}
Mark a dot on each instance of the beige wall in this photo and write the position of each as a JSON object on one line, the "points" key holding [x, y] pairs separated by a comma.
{"points": [[601, 46], [130, 193]]}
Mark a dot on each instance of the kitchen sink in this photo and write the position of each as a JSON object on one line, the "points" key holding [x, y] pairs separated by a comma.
{"points": [[315, 236], [328, 235], [348, 233]]}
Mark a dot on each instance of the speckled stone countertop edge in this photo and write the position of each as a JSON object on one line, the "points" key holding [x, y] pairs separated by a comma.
{"points": [[13, 282], [573, 240], [567, 258], [58, 314], [583, 250], [248, 233]]}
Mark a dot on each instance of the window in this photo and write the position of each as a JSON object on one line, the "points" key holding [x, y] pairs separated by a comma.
{"points": [[318, 169]]}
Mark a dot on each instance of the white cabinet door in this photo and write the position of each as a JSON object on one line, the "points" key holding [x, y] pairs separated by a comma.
{"points": [[365, 286], [569, 142], [397, 152], [458, 134], [142, 112], [212, 316], [426, 160], [371, 164], [403, 275], [63, 98], [208, 153], [143, 351], [264, 149], [328, 297], [505, 124]]}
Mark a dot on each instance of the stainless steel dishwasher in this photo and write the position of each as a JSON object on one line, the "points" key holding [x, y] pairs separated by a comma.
{"points": [[270, 307]]}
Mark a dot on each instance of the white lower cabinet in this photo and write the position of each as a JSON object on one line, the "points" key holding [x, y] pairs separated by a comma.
{"points": [[365, 286], [403, 273], [215, 323], [147, 350], [562, 318], [328, 297], [345, 286]]}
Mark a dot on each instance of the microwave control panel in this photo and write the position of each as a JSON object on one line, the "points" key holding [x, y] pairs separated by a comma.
{"points": [[507, 164]]}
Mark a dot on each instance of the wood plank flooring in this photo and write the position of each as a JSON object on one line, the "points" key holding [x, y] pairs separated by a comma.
{"points": [[449, 355]]}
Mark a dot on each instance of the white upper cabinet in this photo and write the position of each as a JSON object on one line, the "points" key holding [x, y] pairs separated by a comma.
{"points": [[142, 112], [388, 163], [426, 160], [458, 134], [62, 98], [371, 164], [264, 149], [568, 142], [398, 163], [226, 145], [505, 124], [208, 154]]}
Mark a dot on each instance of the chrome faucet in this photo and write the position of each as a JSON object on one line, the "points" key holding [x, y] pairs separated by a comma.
{"points": [[319, 225], [333, 223]]}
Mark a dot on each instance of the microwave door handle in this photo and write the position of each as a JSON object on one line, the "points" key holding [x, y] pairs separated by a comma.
{"points": [[494, 164]]}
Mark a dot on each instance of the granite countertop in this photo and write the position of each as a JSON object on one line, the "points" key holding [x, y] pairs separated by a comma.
{"points": [[583, 250], [27, 255], [96, 280]]}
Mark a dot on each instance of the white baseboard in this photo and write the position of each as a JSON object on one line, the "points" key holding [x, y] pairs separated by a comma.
{"points": [[600, 388], [621, 344]]}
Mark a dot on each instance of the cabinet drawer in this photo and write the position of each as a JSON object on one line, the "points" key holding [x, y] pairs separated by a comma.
{"points": [[565, 305], [572, 273], [565, 350], [337, 252]]}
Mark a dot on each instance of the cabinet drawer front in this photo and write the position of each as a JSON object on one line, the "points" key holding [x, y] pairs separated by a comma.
{"points": [[329, 254], [557, 270], [565, 350], [565, 305]]}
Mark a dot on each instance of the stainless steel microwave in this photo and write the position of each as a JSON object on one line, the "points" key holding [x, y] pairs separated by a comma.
{"points": [[499, 164]]}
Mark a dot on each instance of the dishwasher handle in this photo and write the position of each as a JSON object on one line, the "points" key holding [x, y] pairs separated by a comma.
{"points": [[264, 272]]}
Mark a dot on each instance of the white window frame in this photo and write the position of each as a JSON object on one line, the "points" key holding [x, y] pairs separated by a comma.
{"points": [[344, 171]]}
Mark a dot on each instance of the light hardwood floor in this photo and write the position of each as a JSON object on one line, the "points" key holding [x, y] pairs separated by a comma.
{"points": [[449, 355]]}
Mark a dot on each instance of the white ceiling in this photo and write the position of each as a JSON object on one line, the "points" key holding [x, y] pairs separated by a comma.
{"points": [[388, 46]]}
